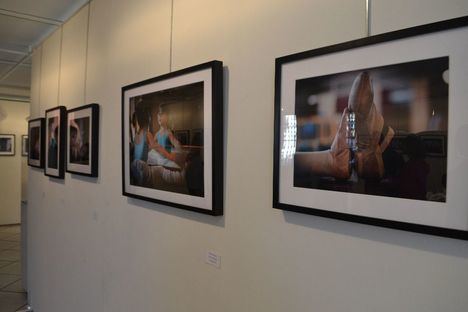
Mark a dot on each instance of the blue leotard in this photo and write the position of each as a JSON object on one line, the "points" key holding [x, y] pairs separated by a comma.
{"points": [[141, 150], [164, 141]]}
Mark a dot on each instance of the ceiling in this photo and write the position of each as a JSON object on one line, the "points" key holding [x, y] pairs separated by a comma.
{"points": [[23, 25]]}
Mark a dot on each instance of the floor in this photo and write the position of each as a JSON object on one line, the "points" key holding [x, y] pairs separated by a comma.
{"points": [[12, 294]]}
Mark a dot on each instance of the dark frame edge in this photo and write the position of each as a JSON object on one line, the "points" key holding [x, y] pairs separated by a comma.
{"points": [[276, 132], [390, 224], [217, 137]]}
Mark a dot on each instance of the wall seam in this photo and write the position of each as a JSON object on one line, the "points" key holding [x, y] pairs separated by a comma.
{"points": [[171, 35], [60, 65], [86, 54], [368, 17], [40, 81]]}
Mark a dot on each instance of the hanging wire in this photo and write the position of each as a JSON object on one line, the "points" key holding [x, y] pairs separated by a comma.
{"points": [[86, 54], [170, 40], [368, 17], [60, 64]]}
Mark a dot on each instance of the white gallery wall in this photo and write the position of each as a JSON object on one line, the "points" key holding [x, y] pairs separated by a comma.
{"points": [[91, 249], [13, 169]]}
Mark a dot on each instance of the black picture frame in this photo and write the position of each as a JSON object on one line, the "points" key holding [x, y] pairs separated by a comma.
{"points": [[397, 37], [12, 139], [24, 143], [213, 195], [40, 123], [61, 113], [92, 111]]}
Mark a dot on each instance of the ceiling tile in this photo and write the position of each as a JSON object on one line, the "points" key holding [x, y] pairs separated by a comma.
{"points": [[19, 33], [21, 77]]}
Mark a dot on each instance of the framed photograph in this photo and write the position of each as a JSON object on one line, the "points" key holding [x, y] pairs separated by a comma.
{"points": [[56, 132], [161, 163], [7, 145], [36, 134], [372, 130], [83, 140], [24, 145]]}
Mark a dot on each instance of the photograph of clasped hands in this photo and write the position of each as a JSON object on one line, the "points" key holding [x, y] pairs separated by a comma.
{"points": [[379, 131]]}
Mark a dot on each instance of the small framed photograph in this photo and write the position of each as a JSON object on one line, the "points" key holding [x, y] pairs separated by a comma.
{"points": [[24, 145], [36, 134], [182, 136], [435, 144], [83, 140], [368, 135], [162, 162], [7, 145], [56, 132], [196, 137]]}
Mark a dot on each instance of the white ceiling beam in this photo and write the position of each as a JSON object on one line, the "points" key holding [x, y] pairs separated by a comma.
{"points": [[7, 97], [13, 68], [30, 17], [13, 51], [7, 62]]}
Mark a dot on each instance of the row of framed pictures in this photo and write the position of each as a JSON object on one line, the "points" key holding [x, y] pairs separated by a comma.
{"points": [[65, 140], [361, 133], [8, 145]]}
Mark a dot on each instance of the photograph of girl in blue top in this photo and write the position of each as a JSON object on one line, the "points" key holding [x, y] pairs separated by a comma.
{"points": [[157, 158], [163, 141]]}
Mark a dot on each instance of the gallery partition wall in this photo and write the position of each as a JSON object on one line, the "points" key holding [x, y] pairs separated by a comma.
{"points": [[114, 239]]}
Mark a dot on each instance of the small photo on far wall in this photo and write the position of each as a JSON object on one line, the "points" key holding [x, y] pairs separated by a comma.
{"points": [[7, 144], [83, 140], [24, 145]]}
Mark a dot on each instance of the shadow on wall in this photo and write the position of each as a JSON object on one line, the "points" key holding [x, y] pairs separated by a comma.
{"points": [[57, 180], [425, 242], [95, 180], [193, 216]]}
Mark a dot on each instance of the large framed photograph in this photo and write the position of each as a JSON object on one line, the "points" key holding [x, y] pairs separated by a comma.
{"points": [[7, 145], [372, 130], [24, 145], [172, 139], [36, 134], [56, 123], [83, 140]]}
